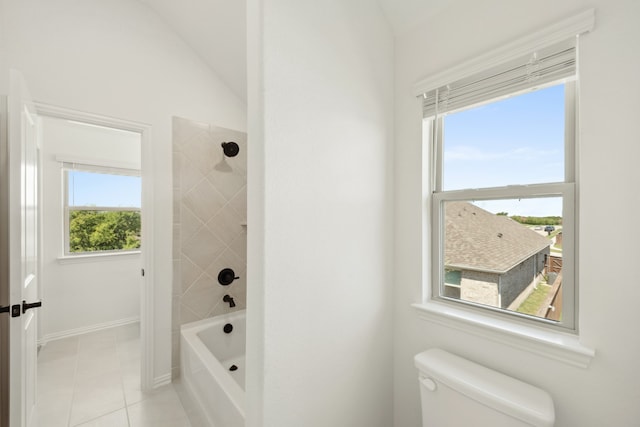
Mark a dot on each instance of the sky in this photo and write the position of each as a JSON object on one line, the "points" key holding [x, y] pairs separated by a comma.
{"points": [[519, 140], [100, 189]]}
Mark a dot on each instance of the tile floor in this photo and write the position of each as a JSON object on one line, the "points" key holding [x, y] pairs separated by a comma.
{"points": [[94, 380]]}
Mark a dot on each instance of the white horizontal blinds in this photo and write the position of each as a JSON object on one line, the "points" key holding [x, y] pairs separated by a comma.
{"points": [[537, 68], [100, 169]]}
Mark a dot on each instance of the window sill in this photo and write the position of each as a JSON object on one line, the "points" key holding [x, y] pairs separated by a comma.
{"points": [[111, 256], [554, 345]]}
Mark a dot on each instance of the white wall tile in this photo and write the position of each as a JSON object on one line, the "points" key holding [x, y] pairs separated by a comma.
{"points": [[190, 273], [228, 259], [227, 183], [226, 225], [189, 223], [203, 248], [204, 200]]}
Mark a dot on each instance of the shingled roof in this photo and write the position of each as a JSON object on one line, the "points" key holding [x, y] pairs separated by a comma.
{"points": [[479, 240]]}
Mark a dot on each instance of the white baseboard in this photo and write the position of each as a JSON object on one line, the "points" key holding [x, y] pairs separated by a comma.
{"points": [[162, 380], [79, 331]]}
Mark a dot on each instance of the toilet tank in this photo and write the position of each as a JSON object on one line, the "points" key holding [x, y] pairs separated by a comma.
{"points": [[457, 392]]}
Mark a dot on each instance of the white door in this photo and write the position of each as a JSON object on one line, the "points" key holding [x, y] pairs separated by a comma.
{"points": [[23, 252]]}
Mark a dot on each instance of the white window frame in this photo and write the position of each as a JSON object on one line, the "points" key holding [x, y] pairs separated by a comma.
{"points": [[562, 344], [564, 190], [92, 168]]}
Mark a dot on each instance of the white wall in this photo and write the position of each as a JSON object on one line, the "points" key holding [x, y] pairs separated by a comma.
{"points": [[117, 58], [74, 141], [320, 288], [607, 392], [91, 292]]}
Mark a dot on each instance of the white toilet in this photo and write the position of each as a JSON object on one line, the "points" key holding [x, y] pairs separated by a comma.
{"points": [[458, 393]]}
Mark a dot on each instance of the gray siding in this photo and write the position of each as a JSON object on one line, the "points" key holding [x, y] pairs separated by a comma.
{"points": [[501, 290]]}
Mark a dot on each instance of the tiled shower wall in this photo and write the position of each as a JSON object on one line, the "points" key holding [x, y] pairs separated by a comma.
{"points": [[209, 223]]}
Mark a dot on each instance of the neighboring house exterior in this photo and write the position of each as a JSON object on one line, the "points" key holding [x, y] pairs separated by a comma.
{"points": [[489, 259]]}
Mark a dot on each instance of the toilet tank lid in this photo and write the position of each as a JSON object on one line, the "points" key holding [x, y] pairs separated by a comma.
{"points": [[494, 389]]}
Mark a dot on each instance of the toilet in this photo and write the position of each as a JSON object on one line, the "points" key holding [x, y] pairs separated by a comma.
{"points": [[456, 392]]}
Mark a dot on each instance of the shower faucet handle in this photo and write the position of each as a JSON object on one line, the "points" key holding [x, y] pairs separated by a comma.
{"points": [[226, 276]]}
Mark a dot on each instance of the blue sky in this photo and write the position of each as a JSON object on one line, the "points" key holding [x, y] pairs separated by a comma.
{"points": [[518, 140], [99, 189]]}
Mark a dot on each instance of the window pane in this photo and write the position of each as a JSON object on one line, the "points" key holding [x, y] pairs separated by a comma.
{"points": [[518, 140], [505, 254], [102, 189], [93, 230]]}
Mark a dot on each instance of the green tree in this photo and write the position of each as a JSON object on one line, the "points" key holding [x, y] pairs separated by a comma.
{"points": [[91, 231], [537, 220]]}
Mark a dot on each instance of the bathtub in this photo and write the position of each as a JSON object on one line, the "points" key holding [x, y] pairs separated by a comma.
{"points": [[213, 369]]}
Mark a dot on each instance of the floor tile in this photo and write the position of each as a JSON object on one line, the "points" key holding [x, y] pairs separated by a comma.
{"points": [[93, 380], [114, 419], [132, 389], [53, 409], [92, 402], [97, 340], [54, 376], [65, 348], [95, 362], [161, 408], [128, 350]]}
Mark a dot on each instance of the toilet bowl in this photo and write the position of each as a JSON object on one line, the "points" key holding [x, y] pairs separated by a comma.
{"points": [[456, 392]]}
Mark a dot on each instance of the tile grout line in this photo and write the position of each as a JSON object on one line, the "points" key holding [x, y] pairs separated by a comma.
{"points": [[75, 377], [124, 394]]}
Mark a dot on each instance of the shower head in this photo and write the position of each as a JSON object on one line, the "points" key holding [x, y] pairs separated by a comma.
{"points": [[231, 149]]}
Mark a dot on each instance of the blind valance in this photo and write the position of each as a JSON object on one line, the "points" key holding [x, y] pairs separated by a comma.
{"points": [[83, 167], [535, 69]]}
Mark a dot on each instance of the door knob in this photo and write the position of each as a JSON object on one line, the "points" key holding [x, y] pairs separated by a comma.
{"points": [[26, 306]]}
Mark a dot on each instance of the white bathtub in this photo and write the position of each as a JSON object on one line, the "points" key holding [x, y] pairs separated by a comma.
{"points": [[206, 355]]}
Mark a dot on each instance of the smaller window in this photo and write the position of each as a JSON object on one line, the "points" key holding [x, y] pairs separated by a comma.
{"points": [[452, 280], [102, 209]]}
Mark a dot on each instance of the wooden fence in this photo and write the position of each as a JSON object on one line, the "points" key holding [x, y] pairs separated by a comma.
{"points": [[551, 308], [554, 264]]}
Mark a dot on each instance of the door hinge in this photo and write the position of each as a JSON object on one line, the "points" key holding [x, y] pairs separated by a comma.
{"points": [[142, 272], [15, 310]]}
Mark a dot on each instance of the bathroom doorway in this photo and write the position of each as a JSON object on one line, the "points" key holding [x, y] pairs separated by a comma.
{"points": [[96, 250]]}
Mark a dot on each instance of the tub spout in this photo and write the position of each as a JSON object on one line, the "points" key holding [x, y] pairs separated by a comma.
{"points": [[229, 299]]}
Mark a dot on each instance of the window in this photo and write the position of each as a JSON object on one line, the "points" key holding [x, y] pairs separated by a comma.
{"points": [[502, 144], [102, 209], [452, 280]]}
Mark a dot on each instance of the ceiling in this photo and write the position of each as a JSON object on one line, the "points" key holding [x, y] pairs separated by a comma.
{"points": [[216, 29], [404, 15]]}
